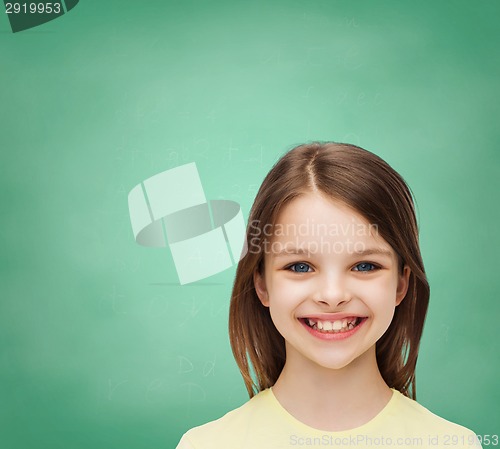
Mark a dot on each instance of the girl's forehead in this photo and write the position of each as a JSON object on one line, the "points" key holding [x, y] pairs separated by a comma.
{"points": [[314, 223], [316, 207]]}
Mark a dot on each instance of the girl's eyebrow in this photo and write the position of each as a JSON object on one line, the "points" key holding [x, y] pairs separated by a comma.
{"points": [[365, 252], [370, 251], [287, 251]]}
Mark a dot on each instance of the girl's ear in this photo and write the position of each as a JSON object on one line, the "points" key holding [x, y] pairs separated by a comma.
{"points": [[403, 282], [260, 288]]}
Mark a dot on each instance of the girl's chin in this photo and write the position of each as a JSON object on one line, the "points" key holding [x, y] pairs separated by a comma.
{"points": [[326, 361], [322, 362]]}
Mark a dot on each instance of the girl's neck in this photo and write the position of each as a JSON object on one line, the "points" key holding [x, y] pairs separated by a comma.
{"points": [[332, 399]]}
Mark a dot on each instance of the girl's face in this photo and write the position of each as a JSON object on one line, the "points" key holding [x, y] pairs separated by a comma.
{"points": [[330, 281]]}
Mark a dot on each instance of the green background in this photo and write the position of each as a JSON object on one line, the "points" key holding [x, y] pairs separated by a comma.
{"points": [[99, 345]]}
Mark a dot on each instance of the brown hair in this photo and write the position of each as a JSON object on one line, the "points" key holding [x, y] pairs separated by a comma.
{"points": [[370, 186]]}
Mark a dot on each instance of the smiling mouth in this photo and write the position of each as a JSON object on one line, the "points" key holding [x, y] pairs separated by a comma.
{"points": [[333, 327]]}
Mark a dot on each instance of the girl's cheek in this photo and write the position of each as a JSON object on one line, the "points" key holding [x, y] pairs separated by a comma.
{"points": [[375, 289], [291, 291]]}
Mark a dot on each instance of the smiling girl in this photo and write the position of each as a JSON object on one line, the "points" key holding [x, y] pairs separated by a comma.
{"points": [[327, 312]]}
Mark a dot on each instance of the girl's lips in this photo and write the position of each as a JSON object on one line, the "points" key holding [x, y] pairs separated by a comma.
{"points": [[331, 335], [332, 316]]}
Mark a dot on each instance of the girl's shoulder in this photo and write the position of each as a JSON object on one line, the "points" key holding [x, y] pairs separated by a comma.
{"points": [[234, 425], [414, 409], [411, 414]]}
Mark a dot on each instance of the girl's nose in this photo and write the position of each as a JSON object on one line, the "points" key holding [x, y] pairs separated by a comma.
{"points": [[331, 290]]}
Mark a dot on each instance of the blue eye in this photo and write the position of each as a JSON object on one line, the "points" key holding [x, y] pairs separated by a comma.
{"points": [[300, 267], [365, 266]]}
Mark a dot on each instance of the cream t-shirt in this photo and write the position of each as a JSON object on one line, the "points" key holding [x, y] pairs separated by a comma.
{"points": [[263, 423]]}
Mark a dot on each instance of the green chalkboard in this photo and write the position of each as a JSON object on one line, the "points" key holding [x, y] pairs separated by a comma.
{"points": [[100, 345]]}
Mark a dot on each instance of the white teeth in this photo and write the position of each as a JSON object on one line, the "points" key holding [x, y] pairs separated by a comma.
{"points": [[336, 326]]}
